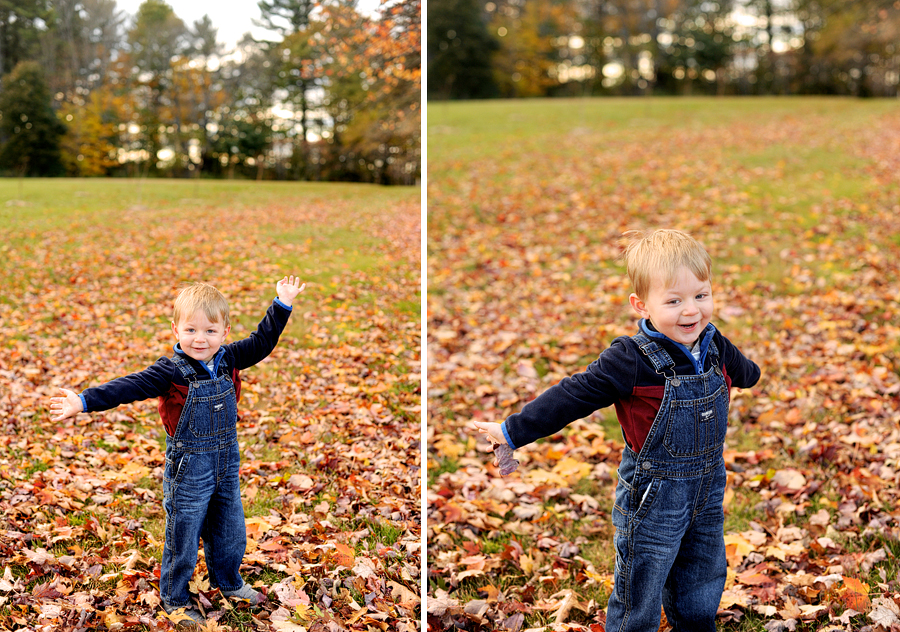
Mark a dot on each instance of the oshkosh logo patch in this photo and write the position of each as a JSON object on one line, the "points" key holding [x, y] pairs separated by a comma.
{"points": [[218, 406], [707, 414]]}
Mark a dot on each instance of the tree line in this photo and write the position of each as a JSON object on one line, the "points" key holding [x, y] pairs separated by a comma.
{"points": [[87, 90], [526, 48]]}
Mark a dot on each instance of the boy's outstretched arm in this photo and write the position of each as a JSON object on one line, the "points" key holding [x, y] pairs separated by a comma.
{"points": [[65, 407], [288, 289]]}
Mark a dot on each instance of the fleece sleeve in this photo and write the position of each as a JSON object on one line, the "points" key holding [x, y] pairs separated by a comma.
{"points": [[743, 372], [607, 379], [261, 342], [147, 384]]}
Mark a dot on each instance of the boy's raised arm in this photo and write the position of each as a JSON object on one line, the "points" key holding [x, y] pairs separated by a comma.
{"points": [[65, 407], [261, 342]]}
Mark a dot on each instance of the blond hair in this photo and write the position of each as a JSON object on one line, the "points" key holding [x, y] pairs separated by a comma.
{"points": [[660, 254], [204, 297]]}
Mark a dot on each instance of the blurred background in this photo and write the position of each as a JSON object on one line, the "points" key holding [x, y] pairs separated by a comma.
{"points": [[297, 89], [531, 48]]}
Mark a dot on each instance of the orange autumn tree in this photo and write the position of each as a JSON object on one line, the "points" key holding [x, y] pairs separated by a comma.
{"points": [[376, 84]]}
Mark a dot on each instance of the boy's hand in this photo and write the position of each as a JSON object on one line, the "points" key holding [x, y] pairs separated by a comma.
{"points": [[288, 289], [503, 454], [65, 407], [492, 430]]}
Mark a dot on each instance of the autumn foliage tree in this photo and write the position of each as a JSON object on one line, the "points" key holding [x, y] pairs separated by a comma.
{"points": [[527, 62], [89, 145], [385, 54]]}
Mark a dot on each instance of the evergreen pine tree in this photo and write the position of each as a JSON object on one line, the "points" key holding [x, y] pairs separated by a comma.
{"points": [[459, 51], [29, 127]]}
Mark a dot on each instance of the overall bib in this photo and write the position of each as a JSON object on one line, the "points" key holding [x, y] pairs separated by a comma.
{"points": [[201, 489], [668, 513]]}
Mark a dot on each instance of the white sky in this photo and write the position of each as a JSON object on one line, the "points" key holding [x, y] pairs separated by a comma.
{"points": [[232, 18]]}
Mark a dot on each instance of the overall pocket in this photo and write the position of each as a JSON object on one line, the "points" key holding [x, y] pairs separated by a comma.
{"points": [[212, 415], [697, 426], [634, 502], [176, 466]]}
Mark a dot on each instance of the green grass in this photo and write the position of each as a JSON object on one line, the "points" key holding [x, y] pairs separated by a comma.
{"points": [[441, 466], [462, 131], [383, 532]]}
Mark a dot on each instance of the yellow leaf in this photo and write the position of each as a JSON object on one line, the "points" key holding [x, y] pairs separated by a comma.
{"points": [[526, 563], [356, 616], [537, 477], [449, 446], [572, 469], [303, 612], [734, 597], [176, 617], [737, 547]]}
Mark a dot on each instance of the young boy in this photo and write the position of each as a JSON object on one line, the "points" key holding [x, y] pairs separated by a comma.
{"points": [[670, 387], [198, 388]]}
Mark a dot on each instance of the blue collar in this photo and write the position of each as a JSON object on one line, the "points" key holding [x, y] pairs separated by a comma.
{"points": [[706, 338], [216, 359]]}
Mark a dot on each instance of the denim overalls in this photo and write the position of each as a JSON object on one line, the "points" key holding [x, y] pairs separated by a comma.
{"points": [[668, 514], [201, 489]]}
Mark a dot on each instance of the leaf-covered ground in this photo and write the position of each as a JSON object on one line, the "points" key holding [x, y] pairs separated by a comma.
{"points": [[329, 423], [797, 202]]}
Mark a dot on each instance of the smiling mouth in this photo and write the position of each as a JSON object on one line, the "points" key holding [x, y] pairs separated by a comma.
{"points": [[689, 327]]}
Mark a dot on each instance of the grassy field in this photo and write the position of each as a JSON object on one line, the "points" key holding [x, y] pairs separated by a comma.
{"points": [[329, 426], [796, 200]]}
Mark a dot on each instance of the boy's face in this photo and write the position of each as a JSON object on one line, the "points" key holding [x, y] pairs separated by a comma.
{"points": [[199, 337], [680, 311]]}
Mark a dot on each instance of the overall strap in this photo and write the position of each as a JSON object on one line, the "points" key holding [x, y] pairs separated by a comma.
{"points": [[713, 352], [187, 371], [658, 356]]}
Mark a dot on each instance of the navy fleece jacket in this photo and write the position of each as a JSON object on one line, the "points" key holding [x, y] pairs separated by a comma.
{"points": [[623, 376], [164, 380]]}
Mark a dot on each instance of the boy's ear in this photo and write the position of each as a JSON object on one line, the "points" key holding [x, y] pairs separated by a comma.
{"points": [[638, 305], [174, 330]]}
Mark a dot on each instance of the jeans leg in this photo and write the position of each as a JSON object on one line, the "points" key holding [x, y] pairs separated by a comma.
{"points": [[694, 587], [185, 497], [647, 539], [224, 530]]}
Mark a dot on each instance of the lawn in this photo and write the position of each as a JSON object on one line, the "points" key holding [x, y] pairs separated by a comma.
{"points": [[329, 423], [796, 201]]}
